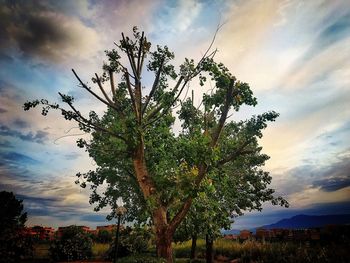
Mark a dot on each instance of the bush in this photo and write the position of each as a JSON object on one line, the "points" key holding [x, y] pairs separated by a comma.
{"points": [[132, 241], [74, 244]]}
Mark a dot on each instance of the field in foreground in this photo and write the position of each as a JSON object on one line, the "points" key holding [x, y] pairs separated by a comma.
{"points": [[227, 250]]}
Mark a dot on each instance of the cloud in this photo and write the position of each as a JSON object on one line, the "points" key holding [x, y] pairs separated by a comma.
{"points": [[38, 137], [94, 218], [15, 157], [20, 123], [38, 29], [5, 143], [2, 110], [72, 156], [333, 183]]}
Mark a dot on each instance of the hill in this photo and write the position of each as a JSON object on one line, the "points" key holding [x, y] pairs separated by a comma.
{"points": [[309, 221]]}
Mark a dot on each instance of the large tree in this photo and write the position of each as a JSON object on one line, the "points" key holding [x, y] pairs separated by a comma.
{"points": [[139, 157]]}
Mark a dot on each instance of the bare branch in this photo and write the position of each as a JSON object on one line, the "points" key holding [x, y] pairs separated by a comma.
{"points": [[139, 55], [131, 58], [154, 87], [89, 123], [102, 90], [161, 106], [93, 93], [132, 97], [111, 80]]}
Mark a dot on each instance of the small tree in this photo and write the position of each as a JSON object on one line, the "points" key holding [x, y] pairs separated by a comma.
{"points": [[74, 244], [104, 236], [156, 172], [14, 244]]}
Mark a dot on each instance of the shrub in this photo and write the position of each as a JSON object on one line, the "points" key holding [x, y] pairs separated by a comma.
{"points": [[132, 241], [74, 244]]}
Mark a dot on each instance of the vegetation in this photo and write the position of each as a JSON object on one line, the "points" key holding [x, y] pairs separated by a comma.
{"points": [[74, 244], [14, 245], [265, 252], [140, 159], [132, 241]]}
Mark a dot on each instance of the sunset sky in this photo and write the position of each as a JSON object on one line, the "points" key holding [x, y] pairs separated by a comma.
{"points": [[294, 54]]}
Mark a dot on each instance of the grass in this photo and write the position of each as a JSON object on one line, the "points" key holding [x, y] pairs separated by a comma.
{"points": [[99, 250], [253, 251]]}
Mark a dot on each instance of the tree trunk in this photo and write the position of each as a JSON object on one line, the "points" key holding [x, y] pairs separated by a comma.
{"points": [[193, 247], [209, 248], [164, 241]]}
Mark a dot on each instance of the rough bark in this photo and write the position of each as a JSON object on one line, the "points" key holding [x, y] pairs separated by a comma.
{"points": [[164, 239]]}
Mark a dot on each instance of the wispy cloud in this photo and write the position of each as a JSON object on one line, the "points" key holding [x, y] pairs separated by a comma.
{"points": [[38, 137]]}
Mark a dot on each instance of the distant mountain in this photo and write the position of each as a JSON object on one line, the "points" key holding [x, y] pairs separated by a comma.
{"points": [[306, 221], [230, 232], [301, 221]]}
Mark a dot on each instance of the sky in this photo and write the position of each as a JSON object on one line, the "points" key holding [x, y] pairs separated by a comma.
{"points": [[294, 54]]}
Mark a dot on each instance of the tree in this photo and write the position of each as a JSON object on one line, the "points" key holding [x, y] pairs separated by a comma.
{"points": [[226, 195], [156, 172], [13, 242], [74, 244]]}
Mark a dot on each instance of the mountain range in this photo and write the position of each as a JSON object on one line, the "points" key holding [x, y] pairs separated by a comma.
{"points": [[302, 221]]}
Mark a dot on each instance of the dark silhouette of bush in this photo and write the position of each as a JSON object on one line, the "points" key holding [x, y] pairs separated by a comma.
{"points": [[131, 241], [74, 244], [14, 244]]}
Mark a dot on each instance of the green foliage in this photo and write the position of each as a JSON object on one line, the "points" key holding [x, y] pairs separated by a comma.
{"points": [[74, 244], [104, 236], [132, 241], [14, 244]]}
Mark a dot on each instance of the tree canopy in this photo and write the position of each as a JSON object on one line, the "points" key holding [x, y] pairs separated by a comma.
{"points": [[141, 158]]}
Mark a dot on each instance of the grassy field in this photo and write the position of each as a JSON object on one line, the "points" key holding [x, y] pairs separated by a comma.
{"points": [[247, 252], [253, 251]]}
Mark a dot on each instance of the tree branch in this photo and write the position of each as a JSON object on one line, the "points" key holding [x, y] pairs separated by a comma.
{"points": [[180, 214], [93, 93], [131, 58], [154, 86], [160, 106], [111, 80], [240, 151], [139, 55], [132, 97], [89, 123], [225, 110], [102, 90]]}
